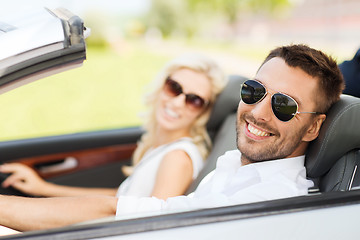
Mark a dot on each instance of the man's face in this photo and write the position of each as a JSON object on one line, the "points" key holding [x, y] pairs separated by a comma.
{"points": [[260, 135]]}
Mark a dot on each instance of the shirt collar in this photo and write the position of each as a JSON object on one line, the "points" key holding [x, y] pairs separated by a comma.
{"points": [[231, 161], [268, 168]]}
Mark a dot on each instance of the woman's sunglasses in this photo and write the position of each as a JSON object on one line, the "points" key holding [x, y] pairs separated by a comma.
{"points": [[283, 106], [173, 89]]}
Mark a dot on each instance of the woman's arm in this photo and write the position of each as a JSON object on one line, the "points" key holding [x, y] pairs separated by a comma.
{"points": [[24, 214], [174, 175], [26, 180]]}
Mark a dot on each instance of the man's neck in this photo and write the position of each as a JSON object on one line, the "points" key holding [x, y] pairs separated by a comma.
{"points": [[245, 161]]}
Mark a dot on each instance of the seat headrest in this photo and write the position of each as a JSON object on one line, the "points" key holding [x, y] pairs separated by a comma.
{"points": [[339, 134], [226, 103]]}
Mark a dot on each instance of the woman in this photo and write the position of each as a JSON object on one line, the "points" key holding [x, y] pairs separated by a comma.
{"points": [[170, 153]]}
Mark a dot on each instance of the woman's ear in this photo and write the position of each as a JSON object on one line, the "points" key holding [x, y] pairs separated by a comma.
{"points": [[314, 129]]}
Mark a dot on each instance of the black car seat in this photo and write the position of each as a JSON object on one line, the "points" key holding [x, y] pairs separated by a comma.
{"points": [[333, 159], [221, 126]]}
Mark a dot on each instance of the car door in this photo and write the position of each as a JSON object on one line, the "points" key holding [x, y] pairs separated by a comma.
{"points": [[92, 159]]}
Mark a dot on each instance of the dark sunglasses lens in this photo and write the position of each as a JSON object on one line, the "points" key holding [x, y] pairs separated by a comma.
{"points": [[172, 88], [194, 101], [283, 107], [252, 92]]}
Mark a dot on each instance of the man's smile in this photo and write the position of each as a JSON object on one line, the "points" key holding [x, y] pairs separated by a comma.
{"points": [[256, 133]]}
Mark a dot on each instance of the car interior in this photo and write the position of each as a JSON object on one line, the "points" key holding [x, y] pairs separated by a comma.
{"points": [[331, 161], [82, 159]]}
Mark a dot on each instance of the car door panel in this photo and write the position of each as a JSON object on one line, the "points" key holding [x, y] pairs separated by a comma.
{"points": [[90, 159], [11, 150]]}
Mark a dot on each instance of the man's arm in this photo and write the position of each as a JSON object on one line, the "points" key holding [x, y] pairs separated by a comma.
{"points": [[26, 214]]}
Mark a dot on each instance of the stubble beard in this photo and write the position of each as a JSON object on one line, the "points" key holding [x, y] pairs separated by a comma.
{"points": [[277, 149]]}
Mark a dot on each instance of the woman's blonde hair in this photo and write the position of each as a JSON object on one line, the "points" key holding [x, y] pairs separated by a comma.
{"points": [[198, 132]]}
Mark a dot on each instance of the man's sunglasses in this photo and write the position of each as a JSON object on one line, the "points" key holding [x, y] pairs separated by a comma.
{"points": [[283, 106], [173, 89]]}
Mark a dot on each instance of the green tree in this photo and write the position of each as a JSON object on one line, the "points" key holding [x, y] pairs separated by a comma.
{"points": [[185, 16], [165, 15]]}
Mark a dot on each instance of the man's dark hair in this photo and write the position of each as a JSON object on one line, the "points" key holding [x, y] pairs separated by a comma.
{"points": [[318, 65]]}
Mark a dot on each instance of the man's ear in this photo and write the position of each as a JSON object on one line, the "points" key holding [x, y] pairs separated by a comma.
{"points": [[314, 129]]}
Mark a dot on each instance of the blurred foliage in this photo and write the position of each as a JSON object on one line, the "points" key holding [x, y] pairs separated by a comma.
{"points": [[231, 9], [169, 17], [187, 16], [185, 19]]}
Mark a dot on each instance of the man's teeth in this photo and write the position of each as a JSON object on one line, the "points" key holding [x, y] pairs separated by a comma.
{"points": [[257, 132], [171, 113]]}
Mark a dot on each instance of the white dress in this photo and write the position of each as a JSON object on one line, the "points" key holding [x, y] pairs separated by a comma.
{"points": [[142, 180]]}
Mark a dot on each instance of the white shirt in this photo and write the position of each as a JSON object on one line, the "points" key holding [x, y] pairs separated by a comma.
{"points": [[142, 181], [231, 184]]}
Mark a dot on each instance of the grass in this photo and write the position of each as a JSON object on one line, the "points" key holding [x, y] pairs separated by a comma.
{"points": [[106, 92]]}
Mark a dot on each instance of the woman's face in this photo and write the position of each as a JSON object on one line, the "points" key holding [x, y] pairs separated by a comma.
{"points": [[177, 112]]}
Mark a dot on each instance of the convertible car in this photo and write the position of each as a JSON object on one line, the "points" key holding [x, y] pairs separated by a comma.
{"points": [[93, 159]]}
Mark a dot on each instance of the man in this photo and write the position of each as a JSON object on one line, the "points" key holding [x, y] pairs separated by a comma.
{"points": [[281, 111]]}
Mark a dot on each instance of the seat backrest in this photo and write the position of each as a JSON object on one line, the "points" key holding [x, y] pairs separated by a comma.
{"points": [[221, 126], [226, 103], [344, 175], [333, 157]]}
